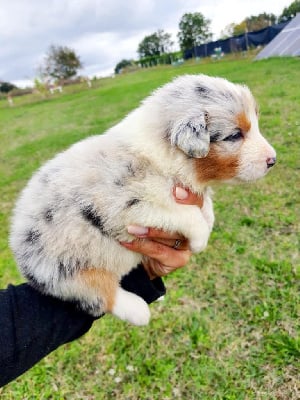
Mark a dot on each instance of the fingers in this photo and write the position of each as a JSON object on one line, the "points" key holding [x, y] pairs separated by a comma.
{"points": [[158, 248], [163, 251], [170, 239], [151, 233], [165, 255], [182, 196], [155, 269], [177, 244], [185, 196]]}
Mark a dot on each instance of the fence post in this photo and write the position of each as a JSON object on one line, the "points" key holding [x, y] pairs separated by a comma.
{"points": [[246, 39]]}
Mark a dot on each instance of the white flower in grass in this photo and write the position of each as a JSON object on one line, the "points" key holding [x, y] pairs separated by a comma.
{"points": [[266, 314], [130, 368], [111, 372], [118, 379]]}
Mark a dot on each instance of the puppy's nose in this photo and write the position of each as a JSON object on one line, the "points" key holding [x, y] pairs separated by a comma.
{"points": [[271, 161]]}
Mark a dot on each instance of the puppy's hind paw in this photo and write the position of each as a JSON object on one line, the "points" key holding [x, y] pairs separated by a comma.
{"points": [[130, 307]]}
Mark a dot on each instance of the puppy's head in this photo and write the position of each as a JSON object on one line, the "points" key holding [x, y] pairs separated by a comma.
{"points": [[215, 122]]}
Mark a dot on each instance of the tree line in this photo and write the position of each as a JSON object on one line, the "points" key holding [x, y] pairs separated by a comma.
{"points": [[62, 63], [194, 30]]}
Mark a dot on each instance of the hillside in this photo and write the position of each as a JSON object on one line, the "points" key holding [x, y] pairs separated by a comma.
{"points": [[229, 326]]}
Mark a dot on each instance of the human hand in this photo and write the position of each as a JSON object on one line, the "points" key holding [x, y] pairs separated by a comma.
{"points": [[163, 252]]}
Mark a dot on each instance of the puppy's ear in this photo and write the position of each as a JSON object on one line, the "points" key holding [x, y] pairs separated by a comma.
{"points": [[191, 136]]}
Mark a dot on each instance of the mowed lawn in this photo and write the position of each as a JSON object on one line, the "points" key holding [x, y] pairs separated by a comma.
{"points": [[229, 325]]}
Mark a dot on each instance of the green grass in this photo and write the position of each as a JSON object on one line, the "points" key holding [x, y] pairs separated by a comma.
{"points": [[229, 326]]}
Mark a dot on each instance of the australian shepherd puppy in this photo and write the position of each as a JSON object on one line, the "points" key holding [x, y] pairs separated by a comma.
{"points": [[196, 131]]}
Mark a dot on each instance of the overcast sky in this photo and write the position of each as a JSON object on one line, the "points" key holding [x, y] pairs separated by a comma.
{"points": [[102, 32]]}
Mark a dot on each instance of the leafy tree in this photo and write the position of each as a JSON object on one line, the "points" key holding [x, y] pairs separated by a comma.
{"points": [[61, 62], [165, 42], [254, 23], [149, 46], [240, 28], [227, 32], [290, 11], [155, 45], [122, 64], [194, 29], [41, 87], [6, 87]]}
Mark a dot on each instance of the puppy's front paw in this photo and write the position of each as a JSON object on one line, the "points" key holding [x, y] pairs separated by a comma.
{"points": [[130, 307], [197, 245], [198, 241]]}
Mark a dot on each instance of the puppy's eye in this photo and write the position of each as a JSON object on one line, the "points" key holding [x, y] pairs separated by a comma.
{"points": [[234, 137]]}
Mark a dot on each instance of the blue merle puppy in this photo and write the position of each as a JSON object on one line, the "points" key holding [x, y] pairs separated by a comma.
{"points": [[196, 131]]}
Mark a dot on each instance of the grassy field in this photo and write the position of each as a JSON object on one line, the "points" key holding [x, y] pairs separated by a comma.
{"points": [[229, 325]]}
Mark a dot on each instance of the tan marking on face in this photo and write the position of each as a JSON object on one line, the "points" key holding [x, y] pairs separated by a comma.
{"points": [[215, 167], [104, 282], [243, 122]]}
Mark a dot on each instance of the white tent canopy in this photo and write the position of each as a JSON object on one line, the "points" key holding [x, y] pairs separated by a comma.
{"points": [[286, 43]]}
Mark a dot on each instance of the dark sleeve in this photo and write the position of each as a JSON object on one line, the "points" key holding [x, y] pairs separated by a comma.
{"points": [[139, 283], [32, 325]]}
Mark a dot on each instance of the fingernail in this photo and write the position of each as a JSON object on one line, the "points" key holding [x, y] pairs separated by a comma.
{"points": [[125, 243], [180, 193], [137, 230]]}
